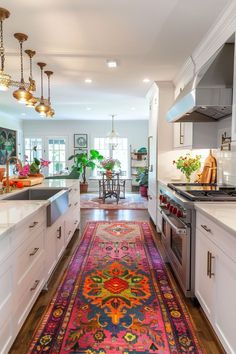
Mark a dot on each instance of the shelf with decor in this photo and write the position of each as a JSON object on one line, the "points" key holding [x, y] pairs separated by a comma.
{"points": [[138, 158]]}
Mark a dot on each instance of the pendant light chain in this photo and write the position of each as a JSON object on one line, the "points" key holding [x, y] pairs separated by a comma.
{"points": [[49, 94], [2, 48], [41, 83], [21, 62]]}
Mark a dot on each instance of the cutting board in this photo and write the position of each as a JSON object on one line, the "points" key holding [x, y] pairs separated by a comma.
{"points": [[28, 182], [209, 170]]}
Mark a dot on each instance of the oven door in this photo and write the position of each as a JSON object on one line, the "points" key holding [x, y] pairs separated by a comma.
{"points": [[179, 249]]}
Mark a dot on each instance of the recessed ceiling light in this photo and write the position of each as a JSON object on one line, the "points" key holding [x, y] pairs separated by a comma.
{"points": [[88, 81], [88, 108], [132, 108], [23, 114], [146, 80], [111, 63]]}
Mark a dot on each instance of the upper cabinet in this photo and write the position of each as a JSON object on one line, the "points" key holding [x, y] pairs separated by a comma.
{"points": [[195, 135]]}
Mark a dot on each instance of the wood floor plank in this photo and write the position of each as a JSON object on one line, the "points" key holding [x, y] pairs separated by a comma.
{"points": [[206, 336]]}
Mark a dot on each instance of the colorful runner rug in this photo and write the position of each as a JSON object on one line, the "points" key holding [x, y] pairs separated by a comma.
{"points": [[132, 201], [116, 297]]}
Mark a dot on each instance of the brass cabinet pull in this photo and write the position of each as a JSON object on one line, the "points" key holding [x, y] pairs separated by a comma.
{"points": [[59, 232], [76, 203], [210, 265], [34, 251], [33, 225], [36, 283], [206, 228]]}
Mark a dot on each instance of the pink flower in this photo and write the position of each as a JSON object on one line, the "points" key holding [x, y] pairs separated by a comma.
{"points": [[44, 163]]}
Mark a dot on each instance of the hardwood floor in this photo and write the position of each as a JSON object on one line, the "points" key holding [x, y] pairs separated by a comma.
{"points": [[20, 346]]}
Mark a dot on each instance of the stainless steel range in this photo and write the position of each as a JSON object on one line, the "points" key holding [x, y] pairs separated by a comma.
{"points": [[177, 221]]}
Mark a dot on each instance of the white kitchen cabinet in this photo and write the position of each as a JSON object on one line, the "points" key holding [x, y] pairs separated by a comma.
{"points": [[195, 135], [203, 283], [215, 280], [29, 252]]}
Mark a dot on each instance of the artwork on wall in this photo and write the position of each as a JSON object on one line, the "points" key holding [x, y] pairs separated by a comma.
{"points": [[7, 144], [81, 141]]}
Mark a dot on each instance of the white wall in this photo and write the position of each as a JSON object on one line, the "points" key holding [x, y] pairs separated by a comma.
{"points": [[135, 131]]}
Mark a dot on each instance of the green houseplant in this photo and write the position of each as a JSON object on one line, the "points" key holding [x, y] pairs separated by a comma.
{"points": [[142, 179], [82, 161]]}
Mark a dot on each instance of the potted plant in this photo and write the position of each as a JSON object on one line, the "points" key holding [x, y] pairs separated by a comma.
{"points": [[82, 161], [142, 179], [109, 165]]}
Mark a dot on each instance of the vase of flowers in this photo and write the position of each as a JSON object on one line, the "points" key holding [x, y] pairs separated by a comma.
{"points": [[109, 165], [187, 165]]}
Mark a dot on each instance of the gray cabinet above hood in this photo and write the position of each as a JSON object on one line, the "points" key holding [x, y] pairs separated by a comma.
{"points": [[208, 97]]}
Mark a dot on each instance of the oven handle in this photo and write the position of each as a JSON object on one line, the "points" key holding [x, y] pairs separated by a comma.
{"points": [[179, 231]]}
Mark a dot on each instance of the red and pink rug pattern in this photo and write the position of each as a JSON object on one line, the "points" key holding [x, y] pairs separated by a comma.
{"points": [[116, 297]]}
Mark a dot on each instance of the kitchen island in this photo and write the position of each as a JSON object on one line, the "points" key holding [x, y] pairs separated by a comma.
{"points": [[30, 251]]}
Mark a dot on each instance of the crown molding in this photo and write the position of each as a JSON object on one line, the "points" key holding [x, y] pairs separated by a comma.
{"points": [[218, 34]]}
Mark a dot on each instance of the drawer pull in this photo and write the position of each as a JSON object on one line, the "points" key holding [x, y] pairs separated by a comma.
{"points": [[76, 203], [76, 221], [33, 225], [149, 197], [69, 205], [36, 283], [210, 265], [59, 232], [34, 251], [206, 228], [69, 232], [70, 190]]}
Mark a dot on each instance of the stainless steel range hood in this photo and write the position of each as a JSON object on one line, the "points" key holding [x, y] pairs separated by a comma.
{"points": [[208, 96]]}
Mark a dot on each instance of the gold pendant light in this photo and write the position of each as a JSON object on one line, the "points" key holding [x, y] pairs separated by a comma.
{"points": [[32, 87], [22, 95], [5, 79], [51, 111], [42, 108]]}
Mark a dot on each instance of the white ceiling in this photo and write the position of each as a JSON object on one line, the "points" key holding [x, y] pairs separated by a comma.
{"points": [[148, 38]]}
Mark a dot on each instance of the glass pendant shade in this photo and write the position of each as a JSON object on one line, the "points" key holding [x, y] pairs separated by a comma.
{"points": [[5, 81], [22, 95], [113, 136]]}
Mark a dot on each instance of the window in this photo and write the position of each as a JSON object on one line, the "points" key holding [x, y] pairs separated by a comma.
{"points": [[120, 152], [30, 143], [57, 154]]}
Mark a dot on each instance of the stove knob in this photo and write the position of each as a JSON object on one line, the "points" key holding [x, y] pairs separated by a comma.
{"points": [[161, 198], [171, 208], [179, 214], [164, 199], [174, 211], [168, 205]]}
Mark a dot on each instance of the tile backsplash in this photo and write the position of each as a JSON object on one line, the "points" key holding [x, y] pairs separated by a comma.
{"points": [[227, 165]]}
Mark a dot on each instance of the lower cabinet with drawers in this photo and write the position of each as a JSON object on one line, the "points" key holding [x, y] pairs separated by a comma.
{"points": [[215, 278], [28, 255]]}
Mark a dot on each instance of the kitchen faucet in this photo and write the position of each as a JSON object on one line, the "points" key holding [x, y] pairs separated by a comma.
{"points": [[7, 189]]}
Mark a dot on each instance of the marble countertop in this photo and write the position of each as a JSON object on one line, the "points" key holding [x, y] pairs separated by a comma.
{"points": [[223, 214], [13, 212]]}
